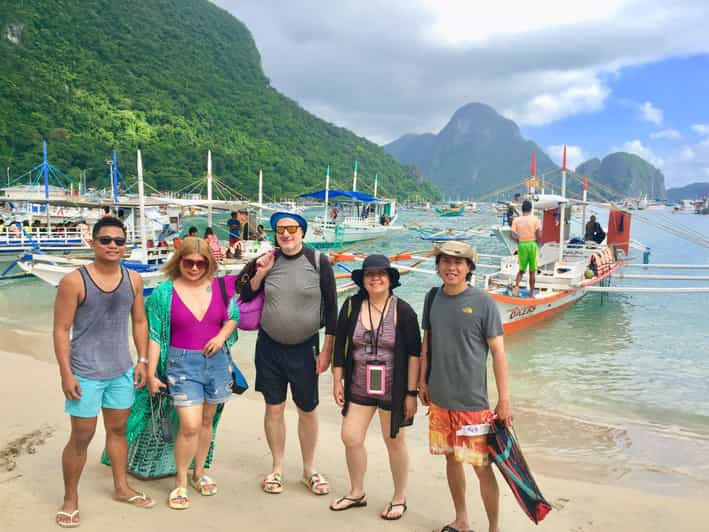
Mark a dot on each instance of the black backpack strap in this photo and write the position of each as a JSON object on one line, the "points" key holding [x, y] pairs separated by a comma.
{"points": [[427, 317], [222, 289]]}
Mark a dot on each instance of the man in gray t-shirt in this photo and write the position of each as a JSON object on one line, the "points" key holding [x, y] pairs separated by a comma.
{"points": [[460, 325]]}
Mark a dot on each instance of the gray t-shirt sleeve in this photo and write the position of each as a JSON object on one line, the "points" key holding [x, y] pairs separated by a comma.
{"points": [[492, 323]]}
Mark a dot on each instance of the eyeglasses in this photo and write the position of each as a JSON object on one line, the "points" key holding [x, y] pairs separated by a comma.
{"points": [[106, 240], [189, 264], [290, 228], [375, 273]]}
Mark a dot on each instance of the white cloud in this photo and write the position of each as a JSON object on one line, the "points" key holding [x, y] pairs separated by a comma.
{"points": [[650, 113], [452, 19], [668, 134], [638, 148], [687, 165], [701, 129], [383, 68], [687, 154], [574, 155], [548, 107]]}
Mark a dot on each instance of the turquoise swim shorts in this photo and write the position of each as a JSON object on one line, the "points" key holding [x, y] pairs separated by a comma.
{"points": [[117, 393]]}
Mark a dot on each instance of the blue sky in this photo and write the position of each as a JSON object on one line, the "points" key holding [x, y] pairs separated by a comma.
{"points": [[600, 76], [664, 132]]}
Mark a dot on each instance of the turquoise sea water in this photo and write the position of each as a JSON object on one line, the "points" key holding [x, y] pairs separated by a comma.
{"points": [[618, 381]]}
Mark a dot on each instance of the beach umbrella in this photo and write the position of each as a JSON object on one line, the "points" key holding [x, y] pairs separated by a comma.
{"points": [[506, 454]]}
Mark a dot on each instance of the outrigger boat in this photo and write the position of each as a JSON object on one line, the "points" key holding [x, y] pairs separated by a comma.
{"points": [[143, 259], [356, 217], [452, 209], [569, 269]]}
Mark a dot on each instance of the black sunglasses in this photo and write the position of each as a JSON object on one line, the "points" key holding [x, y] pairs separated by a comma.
{"points": [[106, 240]]}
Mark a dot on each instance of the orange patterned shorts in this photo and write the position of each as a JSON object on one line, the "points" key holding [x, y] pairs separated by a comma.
{"points": [[458, 432]]}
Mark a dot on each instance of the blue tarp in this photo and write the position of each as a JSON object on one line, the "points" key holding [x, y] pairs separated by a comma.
{"points": [[320, 195]]}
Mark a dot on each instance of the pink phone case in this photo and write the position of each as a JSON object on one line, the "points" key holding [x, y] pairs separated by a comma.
{"points": [[382, 369]]}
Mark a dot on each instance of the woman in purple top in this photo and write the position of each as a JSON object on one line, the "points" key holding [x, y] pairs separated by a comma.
{"points": [[198, 370], [376, 366]]}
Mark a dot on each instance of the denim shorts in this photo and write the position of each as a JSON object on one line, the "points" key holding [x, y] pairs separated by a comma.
{"points": [[117, 393], [194, 378]]}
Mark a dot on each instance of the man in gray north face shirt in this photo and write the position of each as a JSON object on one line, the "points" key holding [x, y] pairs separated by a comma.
{"points": [[460, 325]]}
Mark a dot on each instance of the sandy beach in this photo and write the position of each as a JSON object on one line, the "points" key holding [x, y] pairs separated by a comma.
{"points": [[31, 491]]}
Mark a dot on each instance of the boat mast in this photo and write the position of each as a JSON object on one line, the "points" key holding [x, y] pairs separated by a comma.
{"points": [[114, 177], [327, 192], [354, 178], [209, 188], [585, 198], [376, 181], [45, 174], [562, 206], [260, 195], [141, 203]]}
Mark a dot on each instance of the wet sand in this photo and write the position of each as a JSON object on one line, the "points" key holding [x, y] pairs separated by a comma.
{"points": [[33, 435]]}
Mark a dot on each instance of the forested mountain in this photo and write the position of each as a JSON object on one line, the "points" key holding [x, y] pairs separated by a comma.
{"points": [[176, 78], [476, 153], [625, 174], [693, 191]]}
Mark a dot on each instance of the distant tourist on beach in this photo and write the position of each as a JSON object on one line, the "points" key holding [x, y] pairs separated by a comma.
{"points": [[213, 242], [191, 331], [234, 226], [107, 212], [460, 324], [376, 368], [594, 232], [91, 314], [260, 233], [299, 284], [527, 232]]}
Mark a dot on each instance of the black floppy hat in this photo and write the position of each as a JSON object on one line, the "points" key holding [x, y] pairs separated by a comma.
{"points": [[376, 262]]}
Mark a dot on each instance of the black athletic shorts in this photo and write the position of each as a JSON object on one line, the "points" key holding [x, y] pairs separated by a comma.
{"points": [[278, 365]]}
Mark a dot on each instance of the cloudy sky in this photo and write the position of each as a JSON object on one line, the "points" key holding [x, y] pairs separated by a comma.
{"points": [[598, 76]]}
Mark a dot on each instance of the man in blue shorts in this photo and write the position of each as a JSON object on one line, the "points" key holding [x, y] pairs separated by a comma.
{"points": [[91, 314]]}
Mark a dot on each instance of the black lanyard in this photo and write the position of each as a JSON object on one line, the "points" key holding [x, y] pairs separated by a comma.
{"points": [[375, 337]]}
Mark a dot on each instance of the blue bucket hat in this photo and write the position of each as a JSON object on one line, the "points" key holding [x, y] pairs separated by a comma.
{"points": [[276, 216]]}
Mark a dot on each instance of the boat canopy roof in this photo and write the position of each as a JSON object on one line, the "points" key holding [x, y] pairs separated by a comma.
{"points": [[334, 193]]}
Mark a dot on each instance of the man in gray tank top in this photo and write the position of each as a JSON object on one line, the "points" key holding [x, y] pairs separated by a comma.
{"points": [[460, 325], [91, 315]]}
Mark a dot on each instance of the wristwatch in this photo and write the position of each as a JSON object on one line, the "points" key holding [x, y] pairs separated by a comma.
{"points": [[143, 360], [412, 393]]}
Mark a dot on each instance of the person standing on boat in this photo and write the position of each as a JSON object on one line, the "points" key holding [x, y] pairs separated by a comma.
{"points": [[192, 327], [91, 314], [234, 226], [299, 287], [460, 325], [376, 368], [527, 232]]}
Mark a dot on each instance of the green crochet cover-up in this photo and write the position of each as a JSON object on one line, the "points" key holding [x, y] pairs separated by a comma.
{"points": [[149, 455]]}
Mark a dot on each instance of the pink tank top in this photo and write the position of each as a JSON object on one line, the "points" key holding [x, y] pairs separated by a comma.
{"points": [[186, 332]]}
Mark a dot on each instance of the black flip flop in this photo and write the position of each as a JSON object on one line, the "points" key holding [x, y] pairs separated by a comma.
{"points": [[449, 528], [359, 502], [390, 507]]}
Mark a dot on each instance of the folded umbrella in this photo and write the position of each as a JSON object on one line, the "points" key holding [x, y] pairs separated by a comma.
{"points": [[505, 452]]}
